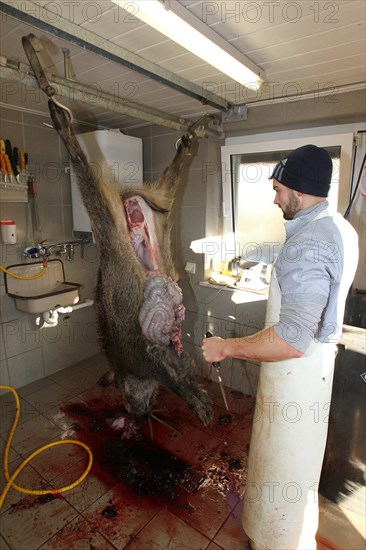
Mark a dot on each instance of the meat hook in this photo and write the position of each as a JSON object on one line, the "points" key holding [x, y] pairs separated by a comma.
{"points": [[197, 128]]}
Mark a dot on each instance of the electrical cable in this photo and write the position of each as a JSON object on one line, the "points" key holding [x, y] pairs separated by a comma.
{"points": [[346, 214], [10, 479], [22, 277]]}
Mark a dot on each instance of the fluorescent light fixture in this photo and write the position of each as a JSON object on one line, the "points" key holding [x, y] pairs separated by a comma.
{"points": [[180, 25]]}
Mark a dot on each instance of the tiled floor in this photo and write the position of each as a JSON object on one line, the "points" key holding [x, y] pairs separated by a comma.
{"points": [[177, 492]]}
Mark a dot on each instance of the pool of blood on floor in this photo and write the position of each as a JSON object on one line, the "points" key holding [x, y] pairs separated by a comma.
{"points": [[144, 467]]}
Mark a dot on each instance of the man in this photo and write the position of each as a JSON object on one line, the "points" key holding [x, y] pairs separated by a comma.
{"points": [[309, 285]]}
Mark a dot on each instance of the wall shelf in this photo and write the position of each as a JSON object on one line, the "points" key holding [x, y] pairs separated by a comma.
{"points": [[13, 192]]}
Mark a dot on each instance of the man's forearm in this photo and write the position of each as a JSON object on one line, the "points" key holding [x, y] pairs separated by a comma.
{"points": [[265, 345]]}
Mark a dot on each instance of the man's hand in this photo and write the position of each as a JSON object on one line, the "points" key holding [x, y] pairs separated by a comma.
{"points": [[212, 349]]}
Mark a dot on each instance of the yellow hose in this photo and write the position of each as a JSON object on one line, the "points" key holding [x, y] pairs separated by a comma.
{"points": [[26, 278], [10, 479]]}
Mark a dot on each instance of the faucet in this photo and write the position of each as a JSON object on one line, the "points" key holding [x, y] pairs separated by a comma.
{"points": [[38, 251], [70, 251], [44, 251]]}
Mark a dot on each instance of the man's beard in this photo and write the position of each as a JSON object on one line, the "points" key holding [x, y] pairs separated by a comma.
{"points": [[292, 208]]}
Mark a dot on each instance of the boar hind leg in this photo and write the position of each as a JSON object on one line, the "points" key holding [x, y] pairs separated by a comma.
{"points": [[170, 177]]}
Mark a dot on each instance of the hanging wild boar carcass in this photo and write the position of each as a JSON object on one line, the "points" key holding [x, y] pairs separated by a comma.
{"points": [[138, 302]]}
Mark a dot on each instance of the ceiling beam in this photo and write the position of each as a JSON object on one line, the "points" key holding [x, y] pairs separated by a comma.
{"points": [[32, 13]]}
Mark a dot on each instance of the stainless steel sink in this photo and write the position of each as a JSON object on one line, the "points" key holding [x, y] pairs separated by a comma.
{"points": [[44, 293]]}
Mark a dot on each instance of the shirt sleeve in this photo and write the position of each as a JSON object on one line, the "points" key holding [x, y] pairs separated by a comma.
{"points": [[305, 280]]}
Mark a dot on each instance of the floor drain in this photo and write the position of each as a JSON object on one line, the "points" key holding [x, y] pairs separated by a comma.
{"points": [[192, 480]]}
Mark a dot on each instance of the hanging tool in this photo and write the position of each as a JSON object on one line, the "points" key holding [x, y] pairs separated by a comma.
{"points": [[9, 176], [11, 168], [3, 167], [216, 365], [16, 163], [34, 209], [10, 153], [9, 171], [24, 180], [2, 161], [22, 168]]}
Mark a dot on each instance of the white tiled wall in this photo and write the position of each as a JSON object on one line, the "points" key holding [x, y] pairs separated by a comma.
{"points": [[28, 353]]}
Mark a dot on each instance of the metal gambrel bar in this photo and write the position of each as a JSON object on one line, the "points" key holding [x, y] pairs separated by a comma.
{"points": [[32, 13], [75, 91], [72, 90]]}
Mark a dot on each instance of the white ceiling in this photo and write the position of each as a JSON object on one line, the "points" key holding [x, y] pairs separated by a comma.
{"points": [[303, 46]]}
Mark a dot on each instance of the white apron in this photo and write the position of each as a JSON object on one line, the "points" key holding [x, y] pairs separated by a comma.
{"points": [[287, 444]]}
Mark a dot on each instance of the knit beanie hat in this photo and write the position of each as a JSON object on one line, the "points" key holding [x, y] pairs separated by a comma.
{"points": [[307, 169]]}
